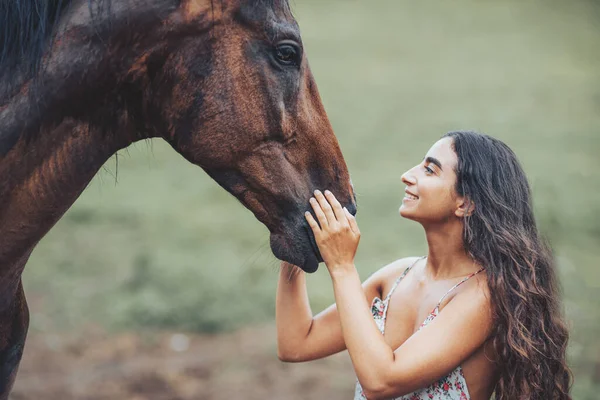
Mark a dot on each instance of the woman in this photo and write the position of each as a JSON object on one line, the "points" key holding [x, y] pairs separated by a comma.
{"points": [[480, 314]]}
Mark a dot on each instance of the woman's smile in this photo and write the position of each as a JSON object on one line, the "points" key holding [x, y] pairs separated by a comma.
{"points": [[408, 196]]}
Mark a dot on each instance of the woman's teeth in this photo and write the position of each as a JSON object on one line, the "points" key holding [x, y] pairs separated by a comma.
{"points": [[410, 196]]}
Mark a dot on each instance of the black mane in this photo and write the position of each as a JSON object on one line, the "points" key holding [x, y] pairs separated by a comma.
{"points": [[26, 27]]}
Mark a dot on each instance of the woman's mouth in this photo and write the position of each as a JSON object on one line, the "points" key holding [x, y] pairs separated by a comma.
{"points": [[409, 196]]}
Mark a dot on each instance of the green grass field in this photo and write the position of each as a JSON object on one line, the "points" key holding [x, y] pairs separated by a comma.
{"points": [[166, 248]]}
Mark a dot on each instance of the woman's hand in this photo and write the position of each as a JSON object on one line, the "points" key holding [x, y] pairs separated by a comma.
{"points": [[336, 231]]}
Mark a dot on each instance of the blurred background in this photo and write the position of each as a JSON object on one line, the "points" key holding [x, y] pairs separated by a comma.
{"points": [[157, 284]]}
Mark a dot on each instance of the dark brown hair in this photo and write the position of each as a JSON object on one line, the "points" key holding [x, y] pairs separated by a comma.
{"points": [[530, 335]]}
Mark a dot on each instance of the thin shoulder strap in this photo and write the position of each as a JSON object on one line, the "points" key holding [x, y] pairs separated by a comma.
{"points": [[457, 285], [387, 298]]}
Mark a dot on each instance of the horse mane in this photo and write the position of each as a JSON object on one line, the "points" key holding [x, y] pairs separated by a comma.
{"points": [[26, 27]]}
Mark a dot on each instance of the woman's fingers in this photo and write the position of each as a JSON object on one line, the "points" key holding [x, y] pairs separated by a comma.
{"points": [[352, 221], [337, 207], [319, 212], [325, 206], [312, 223]]}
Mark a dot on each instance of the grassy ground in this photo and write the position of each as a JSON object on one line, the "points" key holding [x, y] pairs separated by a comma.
{"points": [[167, 248]]}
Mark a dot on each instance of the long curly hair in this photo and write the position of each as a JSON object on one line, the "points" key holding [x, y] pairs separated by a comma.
{"points": [[530, 335]]}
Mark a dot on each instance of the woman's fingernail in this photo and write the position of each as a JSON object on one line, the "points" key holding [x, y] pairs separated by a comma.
{"points": [[317, 191], [327, 192]]}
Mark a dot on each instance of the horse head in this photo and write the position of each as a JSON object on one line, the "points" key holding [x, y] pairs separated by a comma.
{"points": [[237, 98]]}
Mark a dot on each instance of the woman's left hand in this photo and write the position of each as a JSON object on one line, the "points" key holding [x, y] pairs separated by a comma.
{"points": [[336, 231]]}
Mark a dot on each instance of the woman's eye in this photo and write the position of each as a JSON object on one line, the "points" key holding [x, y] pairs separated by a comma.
{"points": [[287, 54], [428, 170]]}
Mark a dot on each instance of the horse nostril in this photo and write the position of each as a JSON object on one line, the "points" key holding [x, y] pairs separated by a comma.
{"points": [[351, 208]]}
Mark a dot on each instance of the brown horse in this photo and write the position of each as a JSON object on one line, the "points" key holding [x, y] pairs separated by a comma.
{"points": [[225, 82]]}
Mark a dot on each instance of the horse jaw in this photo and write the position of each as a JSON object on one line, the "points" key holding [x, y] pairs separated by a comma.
{"points": [[302, 255]]}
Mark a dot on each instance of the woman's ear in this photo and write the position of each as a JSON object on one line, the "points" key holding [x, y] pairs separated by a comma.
{"points": [[465, 208]]}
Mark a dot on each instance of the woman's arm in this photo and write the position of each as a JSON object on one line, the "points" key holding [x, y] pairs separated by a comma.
{"points": [[300, 337]]}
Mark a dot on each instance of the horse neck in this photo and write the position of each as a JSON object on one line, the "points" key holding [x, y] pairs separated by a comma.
{"points": [[48, 154], [58, 131], [42, 178]]}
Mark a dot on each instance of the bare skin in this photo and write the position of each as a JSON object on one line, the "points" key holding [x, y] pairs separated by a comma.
{"points": [[403, 360]]}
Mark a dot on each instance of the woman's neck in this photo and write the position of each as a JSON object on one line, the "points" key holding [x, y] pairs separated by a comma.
{"points": [[447, 258]]}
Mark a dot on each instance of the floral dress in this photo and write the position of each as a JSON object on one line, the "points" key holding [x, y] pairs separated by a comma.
{"points": [[451, 387]]}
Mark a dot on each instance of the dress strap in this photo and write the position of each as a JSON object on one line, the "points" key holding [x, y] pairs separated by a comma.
{"points": [[387, 298], [457, 285]]}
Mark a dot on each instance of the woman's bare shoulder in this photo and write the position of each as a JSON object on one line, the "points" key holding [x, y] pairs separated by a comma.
{"points": [[396, 268], [479, 286], [386, 275], [474, 291]]}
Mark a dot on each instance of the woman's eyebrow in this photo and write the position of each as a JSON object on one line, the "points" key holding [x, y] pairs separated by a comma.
{"points": [[433, 160]]}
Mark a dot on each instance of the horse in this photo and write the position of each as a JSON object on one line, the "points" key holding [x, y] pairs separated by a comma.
{"points": [[225, 82]]}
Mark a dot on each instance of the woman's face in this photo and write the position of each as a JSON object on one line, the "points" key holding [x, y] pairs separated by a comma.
{"points": [[430, 195]]}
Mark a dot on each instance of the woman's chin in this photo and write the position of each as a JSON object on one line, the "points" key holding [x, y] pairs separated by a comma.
{"points": [[405, 212]]}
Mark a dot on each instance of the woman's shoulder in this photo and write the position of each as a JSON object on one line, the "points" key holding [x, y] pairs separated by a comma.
{"points": [[385, 276], [396, 268]]}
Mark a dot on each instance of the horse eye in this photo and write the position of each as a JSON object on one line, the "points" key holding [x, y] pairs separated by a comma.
{"points": [[287, 54]]}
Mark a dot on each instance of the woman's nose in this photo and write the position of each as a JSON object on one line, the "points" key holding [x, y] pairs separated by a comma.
{"points": [[408, 178]]}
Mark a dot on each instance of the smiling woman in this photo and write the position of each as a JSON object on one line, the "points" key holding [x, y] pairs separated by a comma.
{"points": [[479, 315]]}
